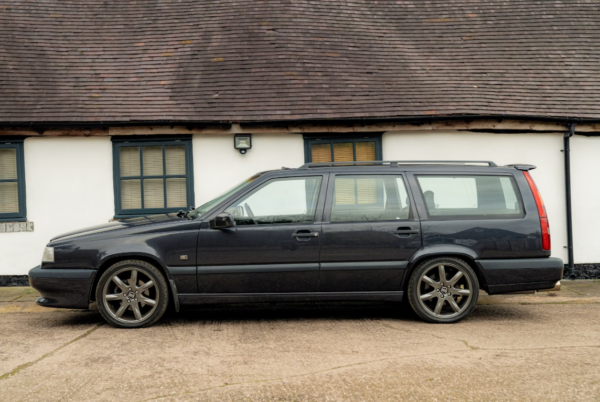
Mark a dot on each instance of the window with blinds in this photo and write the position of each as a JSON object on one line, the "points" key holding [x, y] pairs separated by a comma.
{"points": [[12, 182], [322, 150], [153, 177]]}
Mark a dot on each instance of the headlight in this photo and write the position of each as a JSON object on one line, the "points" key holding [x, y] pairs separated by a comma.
{"points": [[48, 254]]}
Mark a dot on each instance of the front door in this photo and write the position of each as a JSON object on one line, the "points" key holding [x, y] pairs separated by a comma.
{"points": [[274, 247], [369, 233]]}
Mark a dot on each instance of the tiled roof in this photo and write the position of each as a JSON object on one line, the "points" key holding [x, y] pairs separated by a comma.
{"points": [[250, 60]]}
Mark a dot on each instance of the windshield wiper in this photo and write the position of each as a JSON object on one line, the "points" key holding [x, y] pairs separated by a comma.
{"points": [[186, 214]]}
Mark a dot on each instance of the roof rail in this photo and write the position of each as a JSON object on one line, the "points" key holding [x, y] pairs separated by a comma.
{"points": [[394, 163]]}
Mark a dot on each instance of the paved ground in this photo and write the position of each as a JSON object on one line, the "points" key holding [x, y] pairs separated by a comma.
{"points": [[522, 347]]}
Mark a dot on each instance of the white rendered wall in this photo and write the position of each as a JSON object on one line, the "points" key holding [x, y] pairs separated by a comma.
{"points": [[219, 167], [69, 186], [542, 150], [585, 198]]}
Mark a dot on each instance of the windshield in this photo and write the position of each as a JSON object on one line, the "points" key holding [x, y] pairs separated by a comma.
{"points": [[204, 208]]}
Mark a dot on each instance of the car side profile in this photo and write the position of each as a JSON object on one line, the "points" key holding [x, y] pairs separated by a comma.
{"points": [[430, 232]]}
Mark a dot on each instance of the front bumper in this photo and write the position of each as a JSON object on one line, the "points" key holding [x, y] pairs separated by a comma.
{"points": [[516, 275], [67, 288]]}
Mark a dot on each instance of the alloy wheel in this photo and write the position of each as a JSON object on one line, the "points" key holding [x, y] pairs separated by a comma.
{"points": [[130, 296], [444, 290]]}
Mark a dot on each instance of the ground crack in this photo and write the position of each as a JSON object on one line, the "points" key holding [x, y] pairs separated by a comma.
{"points": [[31, 363]]}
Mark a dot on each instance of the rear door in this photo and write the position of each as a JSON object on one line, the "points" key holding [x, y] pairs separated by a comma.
{"points": [[369, 233]]}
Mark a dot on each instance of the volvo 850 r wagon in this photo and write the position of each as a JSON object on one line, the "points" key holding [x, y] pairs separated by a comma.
{"points": [[431, 233]]}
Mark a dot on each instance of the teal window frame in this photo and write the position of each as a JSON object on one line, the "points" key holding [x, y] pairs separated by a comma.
{"points": [[20, 216], [309, 140], [119, 143]]}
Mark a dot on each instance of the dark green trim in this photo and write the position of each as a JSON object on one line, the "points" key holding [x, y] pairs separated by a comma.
{"points": [[143, 141], [310, 139], [20, 216]]}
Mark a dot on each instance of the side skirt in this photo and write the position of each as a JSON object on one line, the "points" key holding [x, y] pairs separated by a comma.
{"points": [[216, 298]]}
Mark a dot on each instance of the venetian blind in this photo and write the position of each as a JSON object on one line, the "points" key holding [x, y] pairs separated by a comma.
{"points": [[343, 152], [321, 153], [9, 191], [175, 160], [365, 151]]}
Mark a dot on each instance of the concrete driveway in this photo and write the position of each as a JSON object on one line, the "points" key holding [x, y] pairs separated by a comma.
{"points": [[522, 347]]}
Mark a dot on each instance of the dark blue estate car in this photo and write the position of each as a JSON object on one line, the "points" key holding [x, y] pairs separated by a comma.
{"points": [[433, 232]]}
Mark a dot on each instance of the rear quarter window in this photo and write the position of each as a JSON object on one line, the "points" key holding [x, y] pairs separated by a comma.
{"points": [[470, 196]]}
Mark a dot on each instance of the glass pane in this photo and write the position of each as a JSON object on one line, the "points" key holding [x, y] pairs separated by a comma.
{"points": [[130, 161], [154, 193], [9, 197], [153, 161], [8, 163], [365, 151], [345, 191], [176, 193], [321, 153], [175, 160], [131, 194], [343, 152], [469, 195], [291, 200], [369, 198]]}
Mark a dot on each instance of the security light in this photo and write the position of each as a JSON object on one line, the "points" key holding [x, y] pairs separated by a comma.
{"points": [[242, 142]]}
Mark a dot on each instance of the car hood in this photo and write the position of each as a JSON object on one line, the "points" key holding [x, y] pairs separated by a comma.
{"points": [[117, 225]]}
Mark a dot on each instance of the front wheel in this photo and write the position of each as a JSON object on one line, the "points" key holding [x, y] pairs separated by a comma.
{"points": [[132, 294], [443, 290]]}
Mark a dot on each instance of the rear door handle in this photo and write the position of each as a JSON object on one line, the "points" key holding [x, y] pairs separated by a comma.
{"points": [[405, 231]]}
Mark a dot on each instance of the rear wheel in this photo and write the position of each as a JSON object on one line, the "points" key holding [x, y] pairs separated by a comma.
{"points": [[132, 294], [443, 290]]}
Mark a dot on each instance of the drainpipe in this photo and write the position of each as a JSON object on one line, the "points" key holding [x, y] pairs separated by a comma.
{"points": [[567, 151]]}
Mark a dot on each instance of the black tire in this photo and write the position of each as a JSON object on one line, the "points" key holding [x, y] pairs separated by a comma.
{"points": [[425, 297], [113, 299]]}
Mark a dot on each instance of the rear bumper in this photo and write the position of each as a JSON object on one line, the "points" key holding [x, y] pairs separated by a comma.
{"points": [[68, 288], [504, 276]]}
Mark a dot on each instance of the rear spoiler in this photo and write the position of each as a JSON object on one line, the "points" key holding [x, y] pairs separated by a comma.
{"points": [[522, 166]]}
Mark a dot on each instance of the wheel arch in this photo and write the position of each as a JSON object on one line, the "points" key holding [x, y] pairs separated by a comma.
{"points": [[465, 254], [113, 259]]}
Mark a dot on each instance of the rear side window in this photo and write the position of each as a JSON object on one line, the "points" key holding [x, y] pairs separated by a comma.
{"points": [[470, 197], [369, 198]]}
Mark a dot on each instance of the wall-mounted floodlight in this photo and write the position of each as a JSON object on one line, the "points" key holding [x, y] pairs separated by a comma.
{"points": [[242, 142]]}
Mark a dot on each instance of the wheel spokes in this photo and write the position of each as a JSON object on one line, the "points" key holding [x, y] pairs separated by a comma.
{"points": [[120, 283], [428, 296], [461, 292], [122, 309], [133, 279], [146, 286], [145, 300], [453, 304], [456, 277], [438, 306], [430, 282], [113, 297], [442, 271], [136, 311]]}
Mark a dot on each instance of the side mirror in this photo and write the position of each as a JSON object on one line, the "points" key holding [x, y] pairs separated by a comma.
{"points": [[223, 221]]}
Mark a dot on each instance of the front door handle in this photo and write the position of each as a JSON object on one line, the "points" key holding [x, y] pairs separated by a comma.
{"points": [[305, 234]]}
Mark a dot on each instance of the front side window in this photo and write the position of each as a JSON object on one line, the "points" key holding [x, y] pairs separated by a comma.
{"points": [[152, 177], [475, 197], [289, 200], [12, 182], [369, 198], [359, 149]]}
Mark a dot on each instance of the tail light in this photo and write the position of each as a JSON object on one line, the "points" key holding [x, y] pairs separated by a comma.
{"points": [[541, 211]]}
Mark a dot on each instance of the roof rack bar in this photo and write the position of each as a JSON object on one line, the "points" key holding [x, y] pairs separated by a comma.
{"points": [[394, 163]]}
